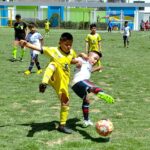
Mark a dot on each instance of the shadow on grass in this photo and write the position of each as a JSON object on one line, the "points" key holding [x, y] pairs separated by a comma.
{"points": [[37, 127], [72, 123]]}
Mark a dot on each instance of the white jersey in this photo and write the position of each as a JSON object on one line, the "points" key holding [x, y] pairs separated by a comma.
{"points": [[34, 38], [82, 73], [126, 31]]}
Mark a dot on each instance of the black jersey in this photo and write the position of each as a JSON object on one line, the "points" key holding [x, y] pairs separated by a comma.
{"points": [[20, 30]]}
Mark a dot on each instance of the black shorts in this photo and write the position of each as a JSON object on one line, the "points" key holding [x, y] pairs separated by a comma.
{"points": [[126, 38], [20, 37], [81, 88]]}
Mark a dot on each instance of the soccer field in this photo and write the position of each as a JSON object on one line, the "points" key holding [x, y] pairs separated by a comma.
{"points": [[28, 119]]}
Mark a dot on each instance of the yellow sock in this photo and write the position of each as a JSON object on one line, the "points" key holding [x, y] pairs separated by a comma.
{"points": [[48, 74], [15, 52], [64, 114], [22, 52]]}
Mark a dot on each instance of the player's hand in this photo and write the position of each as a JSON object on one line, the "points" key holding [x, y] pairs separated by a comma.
{"points": [[22, 43]]}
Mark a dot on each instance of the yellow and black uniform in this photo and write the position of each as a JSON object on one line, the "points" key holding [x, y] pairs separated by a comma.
{"points": [[93, 41], [61, 61], [59, 79], [47, 26], [20, 30]]}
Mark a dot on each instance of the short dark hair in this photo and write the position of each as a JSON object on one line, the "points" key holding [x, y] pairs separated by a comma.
{"points": [[125, 22], [18, 16], [92, 25], [66, 36], [98, 53], [32, 25]]}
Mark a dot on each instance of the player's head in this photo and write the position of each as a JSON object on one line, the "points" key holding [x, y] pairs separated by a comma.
{"points": [[93, 28], [94, 56], [18, 17], [32, 27], [65, 42], [126, 23]]}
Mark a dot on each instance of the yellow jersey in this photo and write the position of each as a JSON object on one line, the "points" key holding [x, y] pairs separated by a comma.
{"points": [[61, 61], [47, 24], [93, 41]]}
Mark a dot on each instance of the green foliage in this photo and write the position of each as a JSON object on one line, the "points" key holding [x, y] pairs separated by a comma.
{"points": [[28, 118]]}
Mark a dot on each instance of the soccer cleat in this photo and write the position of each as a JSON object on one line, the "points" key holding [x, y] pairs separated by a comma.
{"points": [[27, 72], [105, 97], [21, 59], [13, 60], [39, 71], [87, 123], [42, 87], [64, 129]]}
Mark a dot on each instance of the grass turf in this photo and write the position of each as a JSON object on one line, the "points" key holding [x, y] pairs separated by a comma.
{"points": [[28, 119]]}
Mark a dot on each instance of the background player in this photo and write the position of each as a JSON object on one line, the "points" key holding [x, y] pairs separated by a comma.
{"points": [[20, 29], [47, 27], [126, 34], [93, 41], [35, 38]]}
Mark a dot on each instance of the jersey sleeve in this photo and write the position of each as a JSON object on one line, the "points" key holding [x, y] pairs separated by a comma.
{"points": [[49, 51]]}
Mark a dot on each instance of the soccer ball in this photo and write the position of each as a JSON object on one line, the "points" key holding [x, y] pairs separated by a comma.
{"points": [[104, 127]]}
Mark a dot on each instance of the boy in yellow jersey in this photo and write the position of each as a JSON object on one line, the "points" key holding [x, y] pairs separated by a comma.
{"points": [[93, 41], [47, 27], [57, 73]]}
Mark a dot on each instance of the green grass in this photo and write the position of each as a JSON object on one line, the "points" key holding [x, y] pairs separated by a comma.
{"points": [[28, 118]]}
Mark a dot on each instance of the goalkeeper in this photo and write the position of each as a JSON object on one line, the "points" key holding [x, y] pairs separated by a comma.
{"points": [[82, 86]]}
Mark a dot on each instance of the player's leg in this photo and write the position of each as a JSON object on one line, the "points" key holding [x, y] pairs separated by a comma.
{"points": [[38, 64], [47, 76], [22, 53], [99, 92], [64, 114], [127, 41], [80, 89], [14, 50], [124, 41], [27, 72]]}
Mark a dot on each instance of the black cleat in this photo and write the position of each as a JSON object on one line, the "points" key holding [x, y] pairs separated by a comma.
{"points": [[42, 87], [13, 60], [64, 129]]}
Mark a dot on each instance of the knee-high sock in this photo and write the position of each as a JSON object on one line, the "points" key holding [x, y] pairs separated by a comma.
{"points": [[64, 114], [31, 66], [38, 65], [22, 52], [47, 75], [14, 52], [85, 110]]}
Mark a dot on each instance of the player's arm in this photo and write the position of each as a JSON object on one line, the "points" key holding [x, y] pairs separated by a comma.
{"points": [[83, 55], [130, 31], [97, 68], [77, 62], [42, 41], [29, 45], [86, 46]]}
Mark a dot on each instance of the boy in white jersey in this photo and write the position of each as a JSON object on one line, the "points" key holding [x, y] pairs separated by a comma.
{"points": [[82, 86], [35, 38], [126, 34]]}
